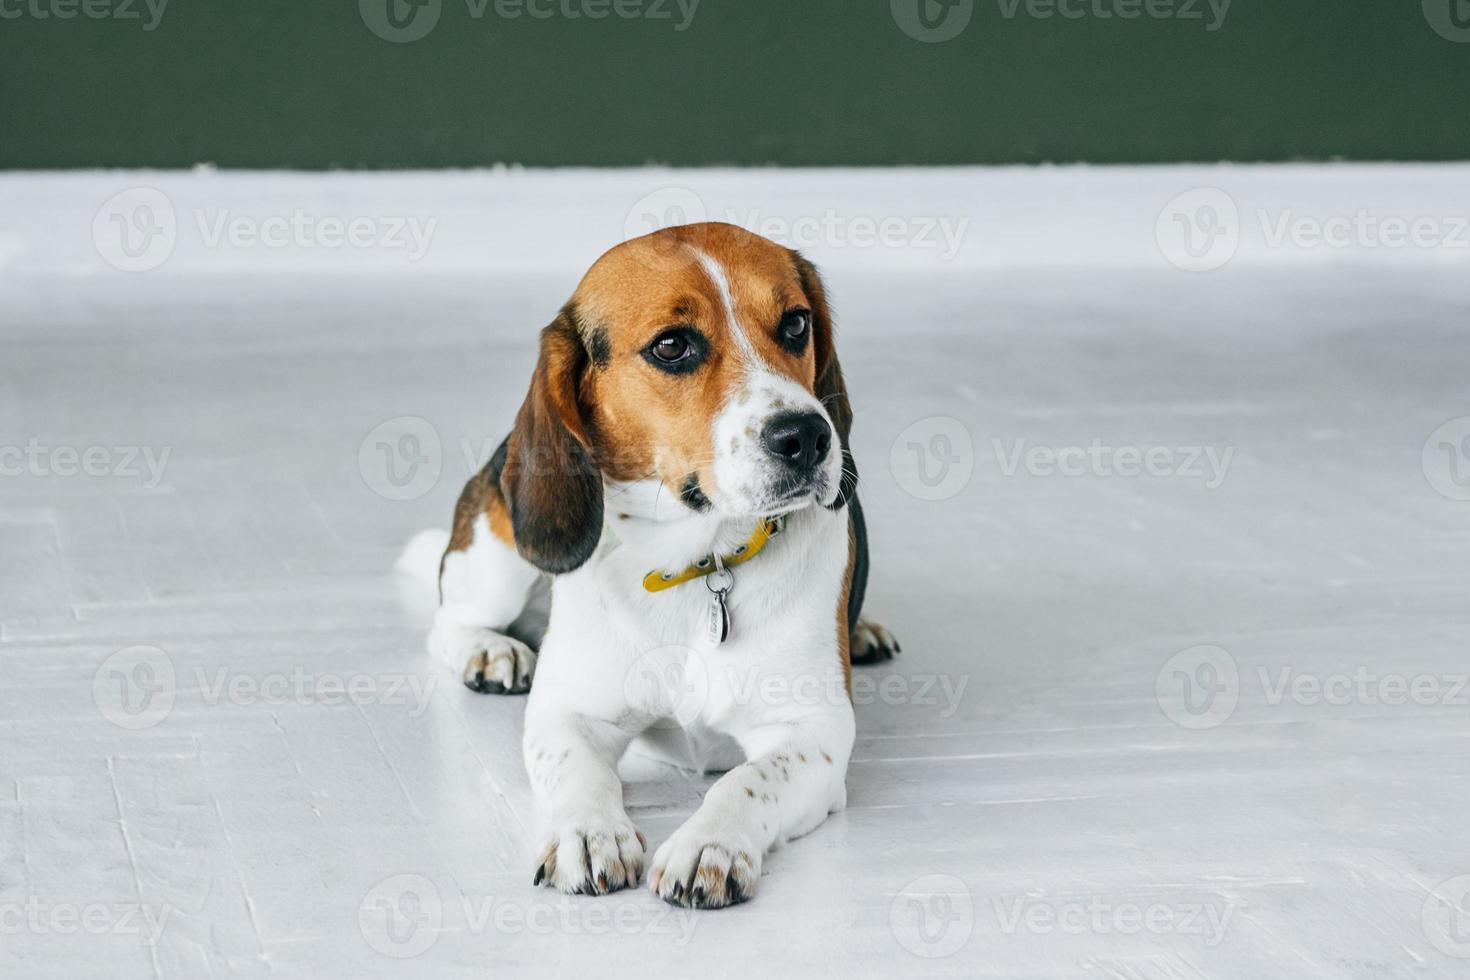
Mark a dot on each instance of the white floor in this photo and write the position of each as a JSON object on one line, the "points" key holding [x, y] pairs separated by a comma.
{"points": [[1041, 786]]}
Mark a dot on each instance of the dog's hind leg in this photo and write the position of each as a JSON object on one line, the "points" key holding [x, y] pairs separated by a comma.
{"points": [[871, 643], [486, 592]]}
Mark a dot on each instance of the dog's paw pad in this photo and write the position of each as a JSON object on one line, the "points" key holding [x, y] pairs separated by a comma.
{"points": [[499, 665], [693, 871], [593, 859], [872, 643]]}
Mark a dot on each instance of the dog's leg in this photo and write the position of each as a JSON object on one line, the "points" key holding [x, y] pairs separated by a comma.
{"points": [[794, 777], [590, 846], [484, 585], [872, 643]]}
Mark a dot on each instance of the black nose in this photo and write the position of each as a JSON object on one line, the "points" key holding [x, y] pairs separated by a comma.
{"points": [[801, 440]]}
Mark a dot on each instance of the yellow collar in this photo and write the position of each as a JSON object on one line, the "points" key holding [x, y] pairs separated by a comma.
{"points": [[765, 530]]}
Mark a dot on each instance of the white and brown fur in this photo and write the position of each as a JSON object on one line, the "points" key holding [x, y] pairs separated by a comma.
{"points": [[616, 467]]}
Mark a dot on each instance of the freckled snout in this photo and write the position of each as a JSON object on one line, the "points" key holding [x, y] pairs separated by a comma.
{"points": [[800, 441]]}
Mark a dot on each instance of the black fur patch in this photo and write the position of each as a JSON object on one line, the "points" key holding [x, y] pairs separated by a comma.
{"points": [[859, 587], [692, 495], [599, 347], [847, 483]]}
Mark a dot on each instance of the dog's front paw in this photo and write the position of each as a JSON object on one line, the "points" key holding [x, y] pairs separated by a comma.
{"points": [[592, 857], [701, 869], [499, 665], [493, 663]]}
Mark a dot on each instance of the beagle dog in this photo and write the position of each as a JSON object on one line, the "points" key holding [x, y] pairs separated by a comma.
{"points": [[678, 481]]}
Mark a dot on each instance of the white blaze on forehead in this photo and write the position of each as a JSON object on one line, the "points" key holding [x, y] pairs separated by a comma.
{"points": [[744, 476], [722, 283]]}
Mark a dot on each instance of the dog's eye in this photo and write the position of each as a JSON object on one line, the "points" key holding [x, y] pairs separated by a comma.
{"points": [[793, 331], [671, 348], [677, 350]]}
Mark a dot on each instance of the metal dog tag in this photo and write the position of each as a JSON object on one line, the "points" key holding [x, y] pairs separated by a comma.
{"points": [[717, 625], [717, 630]]}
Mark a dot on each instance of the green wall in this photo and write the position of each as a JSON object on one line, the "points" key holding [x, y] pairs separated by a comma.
{"points": [[307, 83]]}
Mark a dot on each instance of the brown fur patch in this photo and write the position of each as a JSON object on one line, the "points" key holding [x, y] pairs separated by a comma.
{"points": [[650, 423], [596, 403], [550, 480], [481, 495]]}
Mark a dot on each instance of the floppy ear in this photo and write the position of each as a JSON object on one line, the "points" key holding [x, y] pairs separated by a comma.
{"points": [[551, 481], [829, 388]]}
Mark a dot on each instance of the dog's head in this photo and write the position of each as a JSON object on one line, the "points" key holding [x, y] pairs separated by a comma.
{"points": [[698, 359]]}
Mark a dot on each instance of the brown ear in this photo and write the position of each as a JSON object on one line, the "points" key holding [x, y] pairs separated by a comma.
{"points": [[829, 388], [551, 481]]}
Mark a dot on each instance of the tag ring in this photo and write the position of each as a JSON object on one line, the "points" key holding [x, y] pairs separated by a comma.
{"points": [[729, 580]]}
